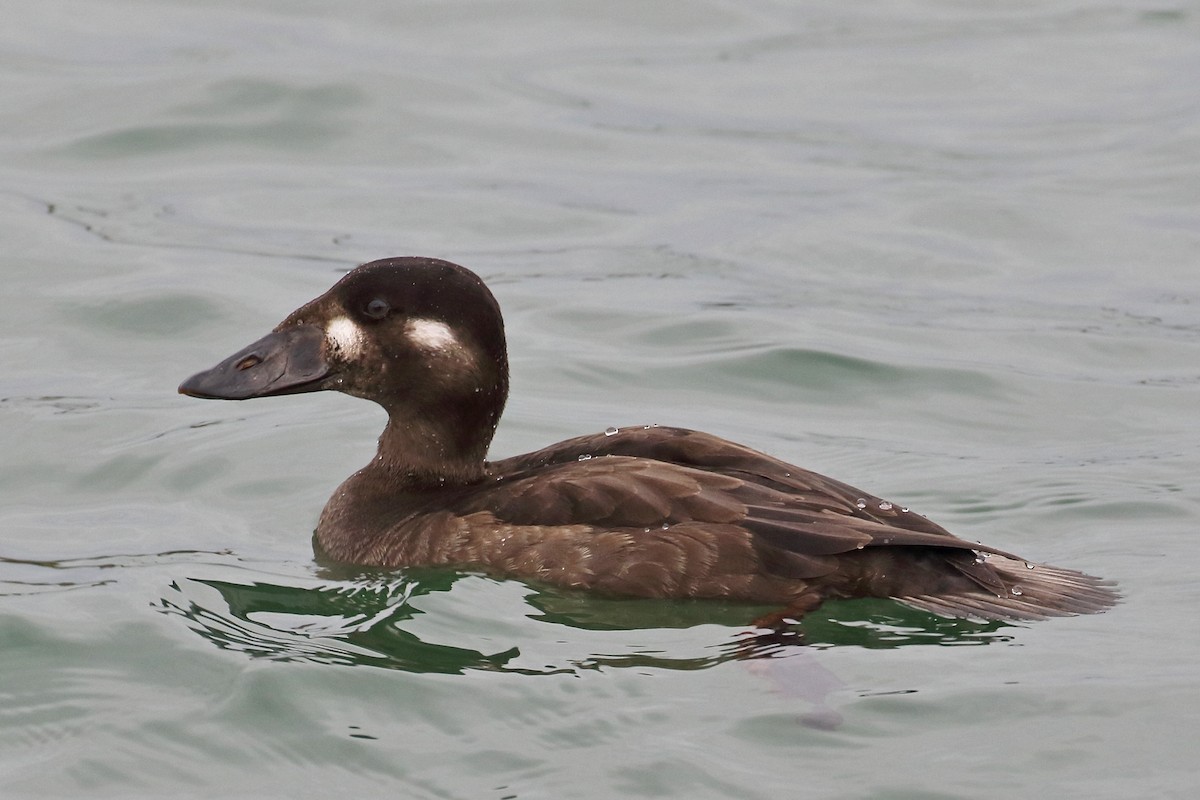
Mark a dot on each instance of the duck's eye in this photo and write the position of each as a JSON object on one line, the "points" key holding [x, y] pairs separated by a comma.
{"points": [[377, 308]]}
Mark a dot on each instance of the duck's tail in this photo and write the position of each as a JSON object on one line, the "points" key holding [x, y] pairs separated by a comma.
{"points": [[1007, 588]]}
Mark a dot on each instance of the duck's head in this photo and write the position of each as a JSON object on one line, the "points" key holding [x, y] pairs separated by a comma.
{"points": [[421, 337]]}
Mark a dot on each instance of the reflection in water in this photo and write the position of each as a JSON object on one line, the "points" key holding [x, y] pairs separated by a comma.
{"points": [[356, 624], [368, 619], [885, 624]]}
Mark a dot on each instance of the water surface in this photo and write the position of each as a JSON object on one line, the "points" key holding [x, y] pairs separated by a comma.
{"points": [[944, 253]]}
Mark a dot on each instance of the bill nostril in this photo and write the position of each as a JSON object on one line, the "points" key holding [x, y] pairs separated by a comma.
{"points": [[248, 362]]}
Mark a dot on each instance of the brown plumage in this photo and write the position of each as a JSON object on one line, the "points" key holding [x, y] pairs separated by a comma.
{"points": [[642, 511]]}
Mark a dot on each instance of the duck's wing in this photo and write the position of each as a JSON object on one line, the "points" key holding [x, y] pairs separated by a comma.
{"points": [[803, 489], [715, 510]]}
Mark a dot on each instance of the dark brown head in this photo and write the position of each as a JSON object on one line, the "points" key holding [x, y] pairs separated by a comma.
{"points": [[421, 337]]}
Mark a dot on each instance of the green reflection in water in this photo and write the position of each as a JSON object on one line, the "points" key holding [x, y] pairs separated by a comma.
{"points": [[358, 618]]}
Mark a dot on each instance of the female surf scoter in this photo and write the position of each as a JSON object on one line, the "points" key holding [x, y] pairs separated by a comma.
{"points": [[641, 511]]}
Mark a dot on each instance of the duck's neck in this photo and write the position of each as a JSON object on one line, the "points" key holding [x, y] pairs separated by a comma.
{"points": [[423, 454]]}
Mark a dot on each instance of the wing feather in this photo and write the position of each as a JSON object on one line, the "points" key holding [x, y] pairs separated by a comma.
{"points": [[695, 515]]}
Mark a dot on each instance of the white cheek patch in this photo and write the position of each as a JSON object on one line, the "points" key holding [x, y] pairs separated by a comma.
{"points": [[345, 337], [455, 362], [432, 334]]}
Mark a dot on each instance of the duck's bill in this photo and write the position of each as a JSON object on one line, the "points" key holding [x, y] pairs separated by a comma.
{"points": [[289, 361]]}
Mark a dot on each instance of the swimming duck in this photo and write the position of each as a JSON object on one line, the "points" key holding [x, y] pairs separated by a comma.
{"points": [[641, 511]]}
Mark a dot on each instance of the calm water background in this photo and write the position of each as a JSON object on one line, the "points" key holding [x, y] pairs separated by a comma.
{"points": [[947, 252]]}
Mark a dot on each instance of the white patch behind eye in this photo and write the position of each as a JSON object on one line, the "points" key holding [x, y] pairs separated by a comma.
{"points": [[345, 336], [431, 334]]}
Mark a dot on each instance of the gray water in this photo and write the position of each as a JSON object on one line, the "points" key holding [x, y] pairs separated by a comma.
{"points": [[947, 252]]}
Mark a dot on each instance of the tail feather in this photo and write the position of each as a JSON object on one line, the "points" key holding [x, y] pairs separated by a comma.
{"points": [[1010, 589]]}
